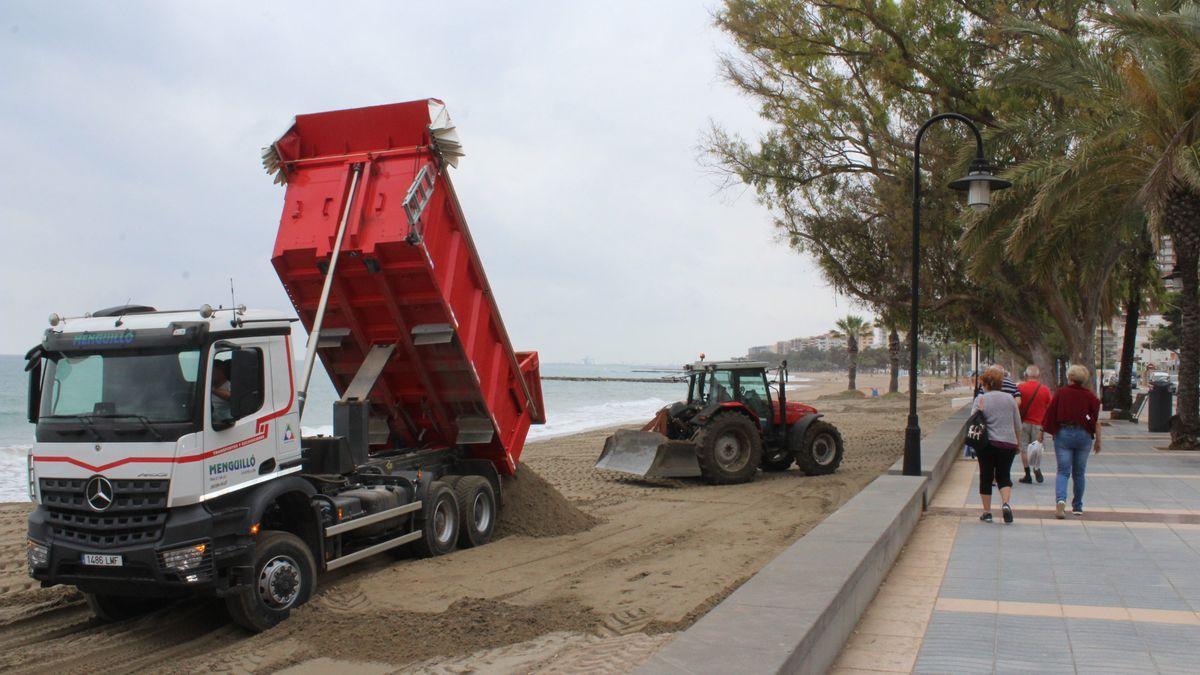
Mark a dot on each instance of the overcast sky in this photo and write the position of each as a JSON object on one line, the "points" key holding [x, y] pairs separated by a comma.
{"points": [[131, 167]]}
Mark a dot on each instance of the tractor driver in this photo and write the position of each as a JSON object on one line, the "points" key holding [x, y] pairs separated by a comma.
{"points": [[754, 401]]}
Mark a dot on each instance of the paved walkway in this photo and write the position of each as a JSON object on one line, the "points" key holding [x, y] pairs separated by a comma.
{"points": [[1117, 590]]}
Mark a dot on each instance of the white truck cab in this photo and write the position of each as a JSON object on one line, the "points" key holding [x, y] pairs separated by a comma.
{"points": [[201, 401]]}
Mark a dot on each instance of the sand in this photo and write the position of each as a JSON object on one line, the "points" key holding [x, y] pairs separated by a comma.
{"points": [[591, 571]]}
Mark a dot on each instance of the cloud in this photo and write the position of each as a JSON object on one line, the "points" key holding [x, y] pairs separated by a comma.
{"points": [[132, 166]]}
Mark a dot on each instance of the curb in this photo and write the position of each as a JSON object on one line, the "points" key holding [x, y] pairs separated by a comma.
{"points": [[796, 613]]}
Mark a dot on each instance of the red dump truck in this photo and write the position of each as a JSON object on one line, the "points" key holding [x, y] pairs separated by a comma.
{"points": [[168, 459]]}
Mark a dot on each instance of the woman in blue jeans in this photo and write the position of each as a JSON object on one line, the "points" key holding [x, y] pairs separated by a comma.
{"points": [[1073, 420]]}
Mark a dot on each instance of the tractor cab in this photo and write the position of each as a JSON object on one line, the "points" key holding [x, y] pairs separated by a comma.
{"points": [[730, 383], [742, 384]]}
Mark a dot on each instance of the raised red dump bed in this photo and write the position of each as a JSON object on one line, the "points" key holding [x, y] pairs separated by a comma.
{"points": [[408, 288]]}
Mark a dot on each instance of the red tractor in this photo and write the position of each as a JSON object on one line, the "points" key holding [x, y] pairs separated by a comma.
{"points": [[729, 427]]}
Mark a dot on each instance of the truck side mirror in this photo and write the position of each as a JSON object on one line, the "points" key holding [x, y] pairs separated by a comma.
{"points": [[35, 388], [245, 382]]}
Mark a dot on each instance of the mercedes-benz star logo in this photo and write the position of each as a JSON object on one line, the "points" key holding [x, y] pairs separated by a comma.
{"points": [[98, 493]]}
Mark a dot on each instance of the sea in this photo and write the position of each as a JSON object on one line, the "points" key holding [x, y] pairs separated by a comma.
{"points": [[571, 407]]}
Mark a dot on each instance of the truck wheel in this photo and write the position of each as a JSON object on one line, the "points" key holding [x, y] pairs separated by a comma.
{"points": [[117, 607], [439, 522], [477, 509], [284, 576], [729, 449], [821, 450], [777, 459]]}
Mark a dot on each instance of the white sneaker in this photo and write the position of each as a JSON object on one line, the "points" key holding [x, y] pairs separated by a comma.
{"points": [[1060, 510]]}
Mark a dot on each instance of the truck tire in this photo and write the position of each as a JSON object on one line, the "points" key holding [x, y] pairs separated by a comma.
{"points": [[820, 451], [439, 522], [777, 459], [117, 607], [728, 449], [477, 510], [284, 577]]}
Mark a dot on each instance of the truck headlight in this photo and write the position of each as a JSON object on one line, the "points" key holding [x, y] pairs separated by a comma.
{"points": [[185, 558], [37, 555]]}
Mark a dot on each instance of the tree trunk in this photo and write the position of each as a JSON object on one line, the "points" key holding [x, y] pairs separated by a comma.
{"points": [[1133, 304], [1184, 433], [852, 350], [894, 358], [1044, 360], [1182, 221]]}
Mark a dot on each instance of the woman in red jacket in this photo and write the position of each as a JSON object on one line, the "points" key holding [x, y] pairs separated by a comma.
{"points": [[1073, 419]]}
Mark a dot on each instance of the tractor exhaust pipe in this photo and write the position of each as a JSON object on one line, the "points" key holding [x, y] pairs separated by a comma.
{"points": [[783, 403]]}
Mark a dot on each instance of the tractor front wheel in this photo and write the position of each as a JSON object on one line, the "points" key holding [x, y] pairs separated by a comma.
{"points": [[820, 451], [729, 449]]}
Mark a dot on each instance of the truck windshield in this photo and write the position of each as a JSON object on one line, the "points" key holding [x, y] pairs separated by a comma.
{"points": [[155, 386]]}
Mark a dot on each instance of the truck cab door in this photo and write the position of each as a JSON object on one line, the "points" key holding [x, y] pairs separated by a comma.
{"points": [[237, 441]]}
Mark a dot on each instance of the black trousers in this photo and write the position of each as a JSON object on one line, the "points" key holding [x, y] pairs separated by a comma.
{"points": [[995, 464]]}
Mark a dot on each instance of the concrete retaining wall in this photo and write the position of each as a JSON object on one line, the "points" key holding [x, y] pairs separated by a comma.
{"points": [[939, 449], [795, 614]]}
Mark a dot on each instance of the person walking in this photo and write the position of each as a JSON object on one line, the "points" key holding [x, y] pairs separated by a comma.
{"points": [[1007, 385], [1072, 419], [1003, 429], [1035, 398]]}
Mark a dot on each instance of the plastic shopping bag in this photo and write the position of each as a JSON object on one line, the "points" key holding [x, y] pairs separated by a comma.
{"points": [[1034, 453]]}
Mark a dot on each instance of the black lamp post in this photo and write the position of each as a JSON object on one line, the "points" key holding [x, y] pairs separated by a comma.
{"points": [[978, 184]]}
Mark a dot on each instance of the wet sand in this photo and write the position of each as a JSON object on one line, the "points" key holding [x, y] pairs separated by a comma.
{"points": [[590, 571]]}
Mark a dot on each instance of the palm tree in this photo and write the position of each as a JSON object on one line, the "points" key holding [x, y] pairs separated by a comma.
{"points": [[852, 327], [1135, 139]]}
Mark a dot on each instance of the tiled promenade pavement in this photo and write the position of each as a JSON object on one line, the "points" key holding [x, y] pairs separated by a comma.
{"points": [[1116, 591]]}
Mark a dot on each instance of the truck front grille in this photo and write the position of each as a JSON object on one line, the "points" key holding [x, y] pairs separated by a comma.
{"points": [[137, 514]]}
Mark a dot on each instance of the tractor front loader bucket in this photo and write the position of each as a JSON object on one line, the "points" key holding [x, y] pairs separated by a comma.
{"points": [[648, 454]]}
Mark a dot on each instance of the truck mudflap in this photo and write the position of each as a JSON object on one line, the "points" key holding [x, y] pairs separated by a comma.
{"points": [[649, 454]]}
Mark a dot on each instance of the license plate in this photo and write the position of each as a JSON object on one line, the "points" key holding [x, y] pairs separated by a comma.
{"points": [[101, 560]]}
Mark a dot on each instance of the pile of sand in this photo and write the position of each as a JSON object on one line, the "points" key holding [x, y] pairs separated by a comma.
{"points": [[534, 508]]}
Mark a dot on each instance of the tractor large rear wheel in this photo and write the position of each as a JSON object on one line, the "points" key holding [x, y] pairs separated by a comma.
{"points": [[820, 451], [729, 449]]}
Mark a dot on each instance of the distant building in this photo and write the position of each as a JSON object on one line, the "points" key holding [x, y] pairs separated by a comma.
{"points": [[764, 350], [1143, 356], [829, 341], [823, 342], [1166, 264]]}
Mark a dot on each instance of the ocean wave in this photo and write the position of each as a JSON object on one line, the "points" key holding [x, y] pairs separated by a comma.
{"points": [[13, 467], [570, 421], [597, 416]]}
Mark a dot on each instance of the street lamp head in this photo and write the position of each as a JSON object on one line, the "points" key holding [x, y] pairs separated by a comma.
{"points": [[979, 184]]}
